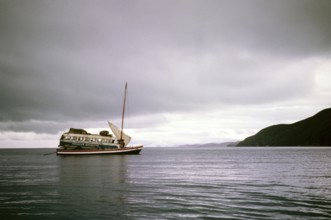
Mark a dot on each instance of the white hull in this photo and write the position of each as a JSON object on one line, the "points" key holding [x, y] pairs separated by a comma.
{"points": [[124, 150]]}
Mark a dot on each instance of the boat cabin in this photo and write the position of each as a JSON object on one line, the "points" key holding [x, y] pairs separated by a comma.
{"points": [[81, 139]]}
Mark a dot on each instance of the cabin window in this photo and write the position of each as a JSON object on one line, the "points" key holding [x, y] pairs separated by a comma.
{"points": [[74, 138], [67, 137], [81, 138], [93, 139], [99, 139], [87, 139]]}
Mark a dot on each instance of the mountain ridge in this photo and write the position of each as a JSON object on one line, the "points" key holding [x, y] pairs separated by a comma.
{"points": [[312, 131]]}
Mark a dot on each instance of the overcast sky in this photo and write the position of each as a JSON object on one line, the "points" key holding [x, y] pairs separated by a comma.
{"points": [[198, 71]]}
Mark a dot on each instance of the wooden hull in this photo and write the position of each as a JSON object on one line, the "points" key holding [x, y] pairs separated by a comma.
{"points": [[124, 150]]}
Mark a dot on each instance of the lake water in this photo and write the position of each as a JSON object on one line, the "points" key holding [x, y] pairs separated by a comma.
{"points": [[168, 183]]}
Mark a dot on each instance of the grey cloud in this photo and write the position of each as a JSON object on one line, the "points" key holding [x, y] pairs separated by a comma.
{"points": [[68, 60]]}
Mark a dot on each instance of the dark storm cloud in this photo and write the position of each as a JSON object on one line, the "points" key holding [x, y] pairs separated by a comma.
{"points": [[69, 60]]}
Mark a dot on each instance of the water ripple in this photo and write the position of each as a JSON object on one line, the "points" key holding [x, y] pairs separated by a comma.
{"points": [[176, 183]]}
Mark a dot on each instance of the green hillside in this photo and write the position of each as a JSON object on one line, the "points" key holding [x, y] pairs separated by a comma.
{"points": [[313, 131]]}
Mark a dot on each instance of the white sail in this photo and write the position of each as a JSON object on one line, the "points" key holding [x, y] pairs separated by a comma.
{"points": [[117, 132]]}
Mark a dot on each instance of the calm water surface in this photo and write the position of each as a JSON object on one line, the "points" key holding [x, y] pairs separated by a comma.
{"points": [[168, 183]]}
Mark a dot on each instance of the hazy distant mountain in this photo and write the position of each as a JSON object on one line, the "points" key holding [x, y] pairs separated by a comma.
{"points": [[224, 144], [313, 131]]}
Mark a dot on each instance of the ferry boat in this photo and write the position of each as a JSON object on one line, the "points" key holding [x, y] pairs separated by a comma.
{"points": [[80, 142]]}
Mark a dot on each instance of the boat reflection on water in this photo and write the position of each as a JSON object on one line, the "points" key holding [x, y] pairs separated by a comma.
{"points": [[92, 184]]}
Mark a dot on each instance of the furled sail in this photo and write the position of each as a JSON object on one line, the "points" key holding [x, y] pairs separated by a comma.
{"points": [[117, 132]]}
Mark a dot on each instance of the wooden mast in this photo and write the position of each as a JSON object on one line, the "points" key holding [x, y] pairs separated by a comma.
{"points": [[123, 111]]}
